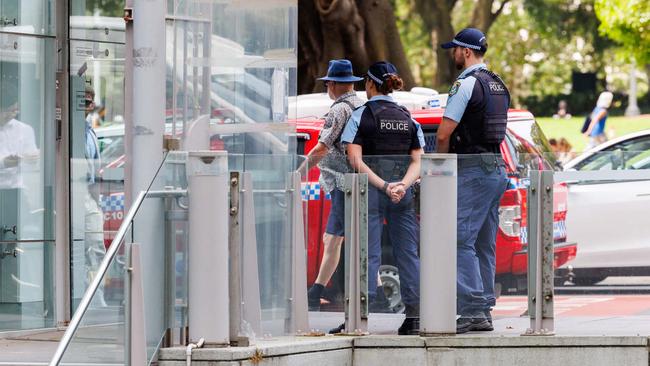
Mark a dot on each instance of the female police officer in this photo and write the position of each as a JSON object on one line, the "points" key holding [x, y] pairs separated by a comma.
{"points": [[384, 142]]}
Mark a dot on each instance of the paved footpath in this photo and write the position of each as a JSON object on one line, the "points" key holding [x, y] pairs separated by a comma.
{"points": [[580, 305]]}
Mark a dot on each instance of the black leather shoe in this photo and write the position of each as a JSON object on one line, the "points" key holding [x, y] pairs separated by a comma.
{"points": [[337, 330], [313, 297], [411, 326]]}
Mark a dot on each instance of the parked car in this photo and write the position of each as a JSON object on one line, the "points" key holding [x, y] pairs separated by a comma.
{"points": [[610, 219], [524, 148]]}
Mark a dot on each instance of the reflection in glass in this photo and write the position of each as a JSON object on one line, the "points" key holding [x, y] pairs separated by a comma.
{"points": [[97, 163], [27, 16], [26, 180]]}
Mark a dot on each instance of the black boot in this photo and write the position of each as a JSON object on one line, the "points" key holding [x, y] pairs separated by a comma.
{"points": [[337, 330], [411, 325], [313, 296], [379, 304]]}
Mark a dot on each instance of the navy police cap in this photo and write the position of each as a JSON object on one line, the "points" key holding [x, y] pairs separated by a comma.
{"points": [[340, 71], [379, 71], [469, 38]]}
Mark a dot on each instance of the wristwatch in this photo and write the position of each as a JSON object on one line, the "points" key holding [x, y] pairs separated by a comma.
{"points": [[385, 186]]}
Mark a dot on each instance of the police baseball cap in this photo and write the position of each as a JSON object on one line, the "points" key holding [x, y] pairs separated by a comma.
{"points": [[340, 71], [470, 38], [379, 71]]}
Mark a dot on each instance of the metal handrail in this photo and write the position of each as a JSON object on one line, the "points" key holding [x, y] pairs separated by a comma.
{"points": [[116, 244]]}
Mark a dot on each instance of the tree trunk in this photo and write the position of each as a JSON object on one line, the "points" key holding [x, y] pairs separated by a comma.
{"points": [[360, 30], [436, 15], [483, 16]]}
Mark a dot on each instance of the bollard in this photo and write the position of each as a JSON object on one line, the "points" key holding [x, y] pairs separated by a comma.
{"points": [[208, 307], [438, 197]]}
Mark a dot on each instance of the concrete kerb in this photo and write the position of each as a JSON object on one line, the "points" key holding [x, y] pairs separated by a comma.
{"points": [[267, 348], [296, 345]]}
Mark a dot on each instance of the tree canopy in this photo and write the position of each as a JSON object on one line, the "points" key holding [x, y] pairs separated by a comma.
{"points": [[627, 22]]}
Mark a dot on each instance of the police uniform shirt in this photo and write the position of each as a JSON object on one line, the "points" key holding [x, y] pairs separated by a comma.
{"points": [[355, 129], [461, 92]]}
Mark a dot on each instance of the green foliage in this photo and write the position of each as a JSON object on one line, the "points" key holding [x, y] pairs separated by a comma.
{"points": [[108, 8], [627, 22], [416, 43]]}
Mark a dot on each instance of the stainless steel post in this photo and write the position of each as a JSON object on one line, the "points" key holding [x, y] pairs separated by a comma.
{"points": [[137, 347], [540, 253], [62, 168], [252, 309], [298, 318], [145, 153], [234, 249], [208, 247], [438, 197], [356, 253]]}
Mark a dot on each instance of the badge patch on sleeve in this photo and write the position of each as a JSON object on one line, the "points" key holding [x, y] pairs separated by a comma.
{"points": [[454, 88]]}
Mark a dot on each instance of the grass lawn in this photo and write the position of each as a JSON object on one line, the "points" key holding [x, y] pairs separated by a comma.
{"points": [[570, 128]]}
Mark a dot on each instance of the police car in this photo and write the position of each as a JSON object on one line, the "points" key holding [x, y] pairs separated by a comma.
{"points": [[524, 148]]}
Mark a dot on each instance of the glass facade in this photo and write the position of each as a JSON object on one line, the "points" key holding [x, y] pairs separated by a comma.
{"points": [[26, 165]]}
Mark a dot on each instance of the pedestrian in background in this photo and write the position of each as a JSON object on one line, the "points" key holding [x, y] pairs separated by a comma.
{"points": [[473, 126], [333, 164], [596, 129]]}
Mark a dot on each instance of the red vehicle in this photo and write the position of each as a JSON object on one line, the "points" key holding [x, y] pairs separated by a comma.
{"points": [[524, 148]]}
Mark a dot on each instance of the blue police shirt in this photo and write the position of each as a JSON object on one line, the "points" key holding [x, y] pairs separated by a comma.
{"points": [[460, 93], [352, 126]]}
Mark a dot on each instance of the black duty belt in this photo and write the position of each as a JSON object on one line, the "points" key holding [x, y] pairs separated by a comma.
{"points": [[485, 161]]}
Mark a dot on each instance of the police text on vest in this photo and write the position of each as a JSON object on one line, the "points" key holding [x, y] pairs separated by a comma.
{"points": [[393, 125]]}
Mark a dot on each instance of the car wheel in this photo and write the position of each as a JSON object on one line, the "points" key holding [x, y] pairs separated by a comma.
{"points": [[389, 276]]}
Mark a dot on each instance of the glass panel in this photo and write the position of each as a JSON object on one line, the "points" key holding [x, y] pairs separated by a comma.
{"points": [[163, 277], [242, 74], [97, 163], [26, 285], [273, 233], [100, 21], [100, 337], [26, 182], [27, 16], [103, 329]]}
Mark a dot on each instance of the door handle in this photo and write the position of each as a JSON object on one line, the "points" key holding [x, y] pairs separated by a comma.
{"points": [[7, 21], [7, 253], [9, 229]]}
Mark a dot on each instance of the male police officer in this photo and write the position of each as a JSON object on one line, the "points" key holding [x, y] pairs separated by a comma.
{"points": [[473, 126], [331, 160], [384, 142]]}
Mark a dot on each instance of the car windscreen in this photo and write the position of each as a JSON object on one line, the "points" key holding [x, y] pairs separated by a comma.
{"points": [[629, 154], [534, 141]]}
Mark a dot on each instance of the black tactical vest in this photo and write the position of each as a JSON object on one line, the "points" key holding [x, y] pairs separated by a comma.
{"points": [[483, 125], [392, 135]]}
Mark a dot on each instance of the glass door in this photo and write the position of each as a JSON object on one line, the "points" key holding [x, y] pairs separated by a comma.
{"points": [[27, 144], [97, 148]]}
